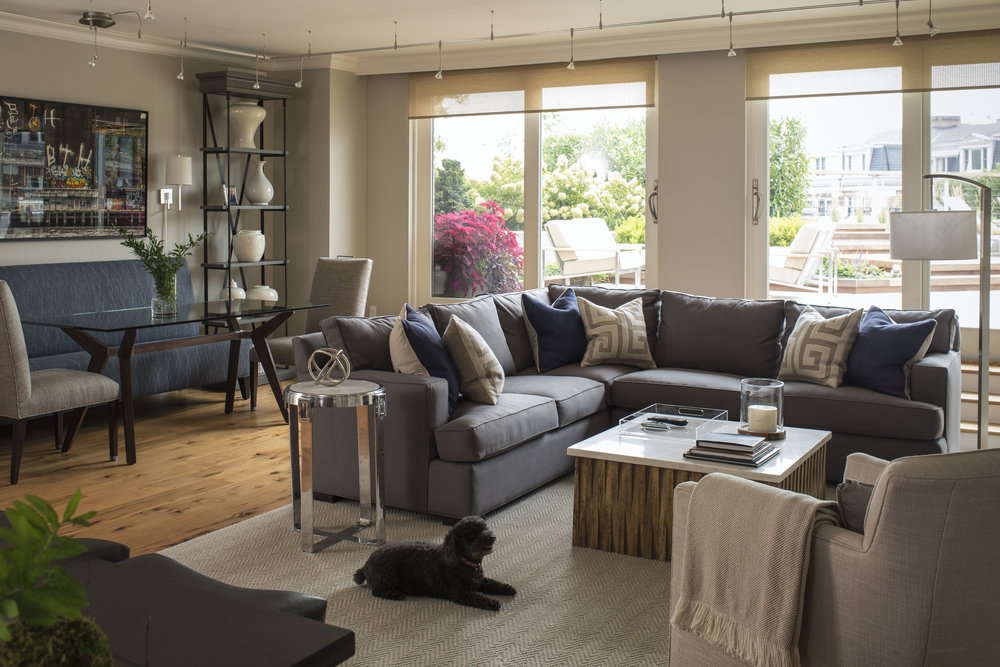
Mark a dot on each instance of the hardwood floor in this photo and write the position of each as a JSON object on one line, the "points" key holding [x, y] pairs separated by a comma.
{"points": [[198, 469]]}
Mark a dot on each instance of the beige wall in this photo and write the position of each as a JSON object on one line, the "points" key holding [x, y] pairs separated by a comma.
{"points": [[702, 135]]}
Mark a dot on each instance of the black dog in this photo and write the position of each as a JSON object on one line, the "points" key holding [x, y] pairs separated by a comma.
{"points": [[452, 570]]}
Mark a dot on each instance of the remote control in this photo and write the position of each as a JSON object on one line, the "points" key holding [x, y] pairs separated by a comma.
{"points": [[668, 420]]}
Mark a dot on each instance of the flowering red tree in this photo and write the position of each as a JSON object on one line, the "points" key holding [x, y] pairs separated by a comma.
{"points": [[477, 251]]}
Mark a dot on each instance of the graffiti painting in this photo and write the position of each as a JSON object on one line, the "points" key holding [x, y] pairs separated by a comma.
{"points": [[71, 171]]}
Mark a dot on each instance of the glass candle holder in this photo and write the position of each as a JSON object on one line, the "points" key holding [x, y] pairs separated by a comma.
{"points": [[761, 407]]}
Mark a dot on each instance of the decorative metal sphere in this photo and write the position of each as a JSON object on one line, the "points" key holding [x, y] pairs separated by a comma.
{"points": [[335, 360]]}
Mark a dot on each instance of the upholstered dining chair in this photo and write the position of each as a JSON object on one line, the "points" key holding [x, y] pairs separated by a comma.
{"points": [[29, 394], [918, 587], [339, 282]]}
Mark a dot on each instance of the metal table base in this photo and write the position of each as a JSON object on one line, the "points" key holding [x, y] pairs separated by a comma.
{"points": [[361, 395]]}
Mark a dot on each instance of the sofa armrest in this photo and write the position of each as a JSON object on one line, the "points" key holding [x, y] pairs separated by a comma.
{"points": [[937, 379], [863, 467]]}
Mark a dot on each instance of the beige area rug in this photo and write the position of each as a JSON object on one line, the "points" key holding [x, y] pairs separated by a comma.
{"points": [[574, 606]]}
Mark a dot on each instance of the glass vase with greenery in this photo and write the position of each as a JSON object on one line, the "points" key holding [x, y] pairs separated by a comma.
{"points": [[161, 265]]}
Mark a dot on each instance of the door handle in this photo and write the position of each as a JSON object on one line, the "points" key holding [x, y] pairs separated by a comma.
{"points": [[755, 205], [652, 201]]}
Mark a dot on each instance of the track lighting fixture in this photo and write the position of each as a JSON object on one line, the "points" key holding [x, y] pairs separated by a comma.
{"points": [[600, 14], [184, 43], [491, 25], [440, 74], [572, 58], [298, 84], [930, 20], [395, 35], [149, 11], [732, 51], [263, 54], [93, 61], [897, 41]]}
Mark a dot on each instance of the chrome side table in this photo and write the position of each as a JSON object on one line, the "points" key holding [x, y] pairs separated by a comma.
{"points": [[304, 397]]}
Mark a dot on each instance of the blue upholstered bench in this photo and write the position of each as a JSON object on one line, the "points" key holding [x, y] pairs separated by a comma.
{"points": [[88, 286]]}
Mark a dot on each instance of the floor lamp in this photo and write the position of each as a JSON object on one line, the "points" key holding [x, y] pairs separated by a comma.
{"points": [[930, 235]]}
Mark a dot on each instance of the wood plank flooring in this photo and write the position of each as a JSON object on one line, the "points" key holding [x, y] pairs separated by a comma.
{"points": [[198, 469]]}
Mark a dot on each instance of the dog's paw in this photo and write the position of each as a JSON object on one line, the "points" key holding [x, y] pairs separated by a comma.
{"points": [[388, 594], [494, 587]]}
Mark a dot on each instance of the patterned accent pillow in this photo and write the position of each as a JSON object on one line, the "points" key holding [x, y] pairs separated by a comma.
{"points": [[480, 374], [416, 349], [818, 347], [615, 336]]}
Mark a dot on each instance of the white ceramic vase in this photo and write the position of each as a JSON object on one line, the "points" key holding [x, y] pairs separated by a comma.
{"points": [[248, 245], [232, 292], [259, 190], [262, 293], [244, 119]]}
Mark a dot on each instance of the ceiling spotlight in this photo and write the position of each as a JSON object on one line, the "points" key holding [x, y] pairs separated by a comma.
{"points": [[897, 41], [440, 74], [298, 84], [732, 51], [184, 43], [395, 35], [491, 25], [149, 11], [572, 58], [256, 61], [930, 20], [600, 14]]}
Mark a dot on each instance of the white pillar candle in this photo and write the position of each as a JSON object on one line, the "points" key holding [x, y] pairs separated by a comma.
{"points": [[762, 418]]}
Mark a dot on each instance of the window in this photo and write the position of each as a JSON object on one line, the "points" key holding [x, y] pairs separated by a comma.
{"points": [[522, 179]]}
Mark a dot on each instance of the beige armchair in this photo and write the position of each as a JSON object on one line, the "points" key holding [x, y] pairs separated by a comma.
{"points": [[920, 587]]}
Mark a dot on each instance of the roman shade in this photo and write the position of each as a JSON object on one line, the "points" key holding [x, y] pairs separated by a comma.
{"points": [[952, 61], [598, 84]]}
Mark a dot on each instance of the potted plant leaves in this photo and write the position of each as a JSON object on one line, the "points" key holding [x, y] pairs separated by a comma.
{"points": [[161, 265], [40, 602]]}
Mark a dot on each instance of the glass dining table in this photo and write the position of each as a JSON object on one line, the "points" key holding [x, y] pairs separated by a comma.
{"points": [[264, 316]]}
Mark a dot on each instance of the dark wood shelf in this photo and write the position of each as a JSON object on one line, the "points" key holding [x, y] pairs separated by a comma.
{"points": [[235, 265], [272, 152], [246, 207]]}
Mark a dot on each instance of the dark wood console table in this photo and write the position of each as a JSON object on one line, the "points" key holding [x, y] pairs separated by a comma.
{"points": [[127, 321]]}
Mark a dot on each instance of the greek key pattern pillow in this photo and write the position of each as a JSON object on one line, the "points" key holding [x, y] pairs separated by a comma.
{"points": [[818, 348], [480, 375], [615, 336]]}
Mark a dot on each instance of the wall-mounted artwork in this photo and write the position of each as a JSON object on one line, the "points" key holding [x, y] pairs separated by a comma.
{"points": [[70, 171]]}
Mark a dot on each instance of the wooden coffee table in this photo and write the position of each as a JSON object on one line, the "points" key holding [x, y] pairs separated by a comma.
{"points": [[623, 492]]}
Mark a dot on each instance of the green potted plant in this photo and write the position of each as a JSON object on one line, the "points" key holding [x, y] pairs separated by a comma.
{"points": [[161, 265], [40, 602]]}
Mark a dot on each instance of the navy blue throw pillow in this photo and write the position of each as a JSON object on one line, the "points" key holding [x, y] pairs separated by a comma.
{"points": [[429, 348], [556, 331], [884, 352]]}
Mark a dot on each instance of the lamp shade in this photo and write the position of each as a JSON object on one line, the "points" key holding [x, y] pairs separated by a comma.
{"points": [[933, 235], [178, 170]]}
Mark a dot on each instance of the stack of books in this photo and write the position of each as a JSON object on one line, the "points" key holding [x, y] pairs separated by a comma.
{"points": [[749, 450]]}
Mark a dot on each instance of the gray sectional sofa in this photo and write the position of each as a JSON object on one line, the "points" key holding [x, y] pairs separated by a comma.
{"points": [[88, 286], [481, 457]]}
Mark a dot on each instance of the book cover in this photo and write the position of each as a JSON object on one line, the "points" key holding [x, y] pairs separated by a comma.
{"points": [[733, 440]]}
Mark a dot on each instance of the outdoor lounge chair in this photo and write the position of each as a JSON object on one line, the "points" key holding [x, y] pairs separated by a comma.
{"points": [[587, 247], [800, 267]]}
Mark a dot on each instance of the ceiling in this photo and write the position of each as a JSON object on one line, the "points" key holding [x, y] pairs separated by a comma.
{"points": [[359, 36]]}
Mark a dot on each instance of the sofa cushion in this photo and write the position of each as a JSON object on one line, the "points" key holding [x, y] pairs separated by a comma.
{"points": [[480, 376], [416, 348], [861, 411], [481, 315], [612, 298], [575, 397], [556, 331], [678, 386], [738, 336], [615, 335], [605, 373], [884, 352], [477, 431], [511, 316], [946, 334], [818, 348], [365, 340]]}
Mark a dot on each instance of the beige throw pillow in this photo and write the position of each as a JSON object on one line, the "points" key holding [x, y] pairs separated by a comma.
{"points": [[615, 336], [480, 375], [404, 359], [818, 348]]}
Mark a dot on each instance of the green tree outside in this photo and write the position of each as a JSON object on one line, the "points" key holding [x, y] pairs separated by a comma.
{"points": [[788, 166], [451, 188]]}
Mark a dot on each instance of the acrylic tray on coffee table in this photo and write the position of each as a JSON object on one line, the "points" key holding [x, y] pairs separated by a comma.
{"points": [[700, 422]]}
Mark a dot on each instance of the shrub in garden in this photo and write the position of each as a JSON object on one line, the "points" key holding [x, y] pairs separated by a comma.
{"points": [[477, 251], [781, 231]]}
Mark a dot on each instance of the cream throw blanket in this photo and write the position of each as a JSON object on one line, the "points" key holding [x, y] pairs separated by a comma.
{"points": [[744, 567]]}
